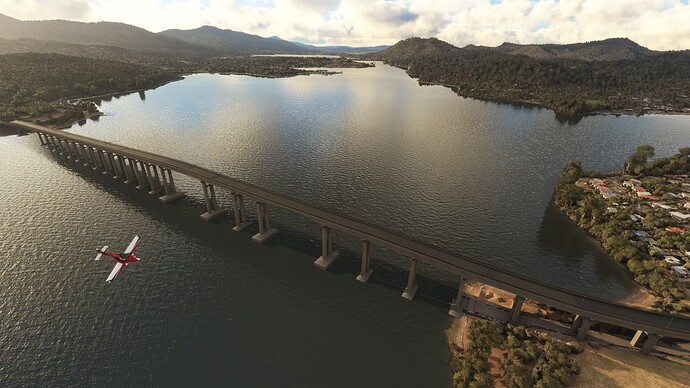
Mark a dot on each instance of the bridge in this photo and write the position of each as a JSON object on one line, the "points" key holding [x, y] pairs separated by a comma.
{"points": [[154, 172]]}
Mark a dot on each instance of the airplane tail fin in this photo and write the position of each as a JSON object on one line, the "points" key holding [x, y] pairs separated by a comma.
{"points": [[100, 252]]}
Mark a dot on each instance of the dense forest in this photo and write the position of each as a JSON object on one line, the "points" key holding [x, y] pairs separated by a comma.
{"points": [[33, 84], [648, 82]]}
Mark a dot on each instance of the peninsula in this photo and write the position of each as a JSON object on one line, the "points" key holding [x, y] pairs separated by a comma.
{"points": [[641, 216]]}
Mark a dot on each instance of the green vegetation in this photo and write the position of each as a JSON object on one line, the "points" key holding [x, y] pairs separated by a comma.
{"points": [[524, 352], [572, 86], [33, 84], [615, 229]]}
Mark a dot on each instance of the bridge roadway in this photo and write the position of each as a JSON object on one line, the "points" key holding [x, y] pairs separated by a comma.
{"points": [[656, 323]]}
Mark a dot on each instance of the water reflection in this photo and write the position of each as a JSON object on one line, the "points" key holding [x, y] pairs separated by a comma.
{"points": [[470, 176], [581, 255]]}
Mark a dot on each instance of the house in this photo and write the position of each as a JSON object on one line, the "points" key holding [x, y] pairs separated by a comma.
{"points": [[582, 183], [662, 205], [681, 216], [644, 194], [641, 233], [636, 217], [680, 271], [611, 209], [675, 229], [687, 205], [672, 260]]}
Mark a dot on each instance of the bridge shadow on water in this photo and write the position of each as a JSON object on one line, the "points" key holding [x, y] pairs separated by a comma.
{"points": [[301, 242]]}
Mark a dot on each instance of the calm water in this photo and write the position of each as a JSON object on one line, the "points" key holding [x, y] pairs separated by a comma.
{"points": [[207, 306]]}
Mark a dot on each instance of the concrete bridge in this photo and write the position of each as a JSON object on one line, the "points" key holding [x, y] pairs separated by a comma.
{"points": [[154, 173]]}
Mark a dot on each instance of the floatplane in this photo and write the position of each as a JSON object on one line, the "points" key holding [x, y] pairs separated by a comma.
{"points": [[122, 259]]}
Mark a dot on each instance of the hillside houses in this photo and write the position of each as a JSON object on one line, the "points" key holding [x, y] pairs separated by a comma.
{"points": [[664, 200]]}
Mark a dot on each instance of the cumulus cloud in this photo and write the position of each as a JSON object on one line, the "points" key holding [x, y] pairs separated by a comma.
{"points": [[657, 24]]}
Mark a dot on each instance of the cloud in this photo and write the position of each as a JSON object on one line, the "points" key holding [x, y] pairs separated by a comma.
{"points": [[657, 24], [39, 10]]}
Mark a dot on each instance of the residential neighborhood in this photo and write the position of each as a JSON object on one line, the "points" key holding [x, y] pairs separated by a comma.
{"points": [[659, 211]]}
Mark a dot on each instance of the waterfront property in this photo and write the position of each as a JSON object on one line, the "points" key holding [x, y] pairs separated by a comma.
{"points": [[154, 173]]}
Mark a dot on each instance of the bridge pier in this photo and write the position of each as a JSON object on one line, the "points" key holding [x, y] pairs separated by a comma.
{"points": [[62, 147], [142, 177], [515, 310], [212, 210], [365, 272], [171, 193], [117, 174], [129, 171], [104, 158], [87, 155], [72, 146], [265, 229], [581, 326], [328, 255], [68, 149], [455, 306], [644, 341], [411, 288], [94, 158], [50, 141], [240, 214], [154, 180]]}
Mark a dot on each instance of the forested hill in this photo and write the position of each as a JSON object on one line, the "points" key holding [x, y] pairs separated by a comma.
{"points": [[101, 33], [649, 81], [234, 41], [603, 50]]}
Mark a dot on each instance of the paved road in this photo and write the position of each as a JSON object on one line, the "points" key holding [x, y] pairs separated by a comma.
{"points": [[600, 310]]}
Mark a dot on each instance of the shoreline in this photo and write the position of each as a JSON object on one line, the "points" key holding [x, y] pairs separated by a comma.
{"points": [[537, 104], [7, 130]]}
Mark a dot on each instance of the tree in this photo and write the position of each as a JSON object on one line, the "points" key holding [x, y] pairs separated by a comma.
{"points": [[637, 162]]}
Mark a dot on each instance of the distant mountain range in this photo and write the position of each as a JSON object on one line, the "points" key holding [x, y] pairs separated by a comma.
{"points": [[101, 34], [615, 49], [206, 39]]}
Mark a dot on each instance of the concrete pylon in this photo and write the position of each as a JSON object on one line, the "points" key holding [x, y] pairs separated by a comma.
{"points": [[515, 310], [411, 288], [328, 255], [212, 210], [171, 192], [456, 305], [239, 211], [265, 229], [366, 271]]}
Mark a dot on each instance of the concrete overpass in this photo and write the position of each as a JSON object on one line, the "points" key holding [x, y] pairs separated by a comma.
{"points": [[152, 171]]}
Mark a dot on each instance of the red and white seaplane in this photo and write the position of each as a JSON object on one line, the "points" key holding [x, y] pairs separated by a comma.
{"points": [[122, 259]]}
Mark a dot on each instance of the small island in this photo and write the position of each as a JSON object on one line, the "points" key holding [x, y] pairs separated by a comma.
{"points": [[641, 217]]}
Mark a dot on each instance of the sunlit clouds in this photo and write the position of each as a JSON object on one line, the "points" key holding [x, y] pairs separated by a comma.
{"points": [[657, 24]]}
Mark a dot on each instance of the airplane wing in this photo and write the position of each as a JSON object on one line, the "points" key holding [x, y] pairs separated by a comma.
{"points": [[133, 245], [118, 268], [98, 256]]}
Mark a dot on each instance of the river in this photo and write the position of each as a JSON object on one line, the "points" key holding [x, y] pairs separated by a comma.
{"points": [[207, 306]]}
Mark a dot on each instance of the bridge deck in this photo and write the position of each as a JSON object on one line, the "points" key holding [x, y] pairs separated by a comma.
{"points": [[597, 309]]}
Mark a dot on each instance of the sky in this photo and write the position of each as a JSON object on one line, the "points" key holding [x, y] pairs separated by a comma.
{"points": [[657, 24]]}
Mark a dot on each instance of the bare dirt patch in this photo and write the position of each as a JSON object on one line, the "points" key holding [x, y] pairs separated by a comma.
{"points": [[615, 367]]}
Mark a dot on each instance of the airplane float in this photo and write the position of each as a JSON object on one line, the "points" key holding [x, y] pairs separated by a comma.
{"points": [[122, 259]]}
